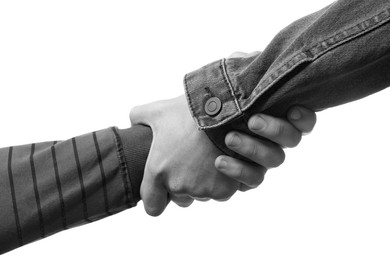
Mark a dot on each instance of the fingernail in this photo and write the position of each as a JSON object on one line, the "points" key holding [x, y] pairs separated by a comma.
{"points": [[222, 163], [295, 114], [257, 123], [234, 140]]}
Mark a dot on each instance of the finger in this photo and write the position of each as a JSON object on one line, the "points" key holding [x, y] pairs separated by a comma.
{"points": [[181, 201], [224, 199], [153, 195], [263, 152], [202, 199], [250, 174], [275, 129], [302, 118], [244, 187]]}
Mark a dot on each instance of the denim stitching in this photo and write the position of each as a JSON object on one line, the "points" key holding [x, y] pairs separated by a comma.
{"points": [[316, 51], [222, 122], [227, 81], [189, 101]]}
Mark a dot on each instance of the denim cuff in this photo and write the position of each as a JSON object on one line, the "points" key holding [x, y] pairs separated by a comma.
{"points": [[210, 95]]}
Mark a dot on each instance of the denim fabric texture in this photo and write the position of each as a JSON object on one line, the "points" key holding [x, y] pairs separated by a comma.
{"points": [[336, 55]]}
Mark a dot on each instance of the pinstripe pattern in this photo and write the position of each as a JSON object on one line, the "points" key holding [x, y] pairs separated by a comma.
{"points": [[80, 175], [102, 173], [36, 193], [57, 185], [15, 208]]}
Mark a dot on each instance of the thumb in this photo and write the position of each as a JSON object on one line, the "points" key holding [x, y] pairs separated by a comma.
{"points": [[154, 196]]}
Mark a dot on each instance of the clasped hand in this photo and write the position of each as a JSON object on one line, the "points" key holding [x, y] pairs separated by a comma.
{"points": [[184, 165]]}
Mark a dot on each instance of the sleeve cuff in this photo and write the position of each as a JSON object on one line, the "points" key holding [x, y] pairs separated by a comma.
{"points": [[210, 95], [136, 142]]}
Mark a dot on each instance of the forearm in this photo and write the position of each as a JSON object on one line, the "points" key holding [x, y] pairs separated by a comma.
{"points": [[52, 186], [336, 55]]}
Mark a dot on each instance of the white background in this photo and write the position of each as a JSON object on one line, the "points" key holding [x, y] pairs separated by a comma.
{"points": [[72, 67]]}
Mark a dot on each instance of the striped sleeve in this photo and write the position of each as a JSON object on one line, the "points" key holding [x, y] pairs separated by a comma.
{"points": [[52, 186]]}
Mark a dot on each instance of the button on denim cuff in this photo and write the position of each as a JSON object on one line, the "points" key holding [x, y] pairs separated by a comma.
{"points": [[206, 84]]}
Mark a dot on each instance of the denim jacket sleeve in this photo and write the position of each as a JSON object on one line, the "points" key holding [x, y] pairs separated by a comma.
{"points": [[338, 54]]}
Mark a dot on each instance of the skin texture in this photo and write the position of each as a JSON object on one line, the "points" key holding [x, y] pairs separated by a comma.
{"points": [[184, 165]]}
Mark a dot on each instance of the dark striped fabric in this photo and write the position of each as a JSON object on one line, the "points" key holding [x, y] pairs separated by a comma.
{"points": [[52, 186]]}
